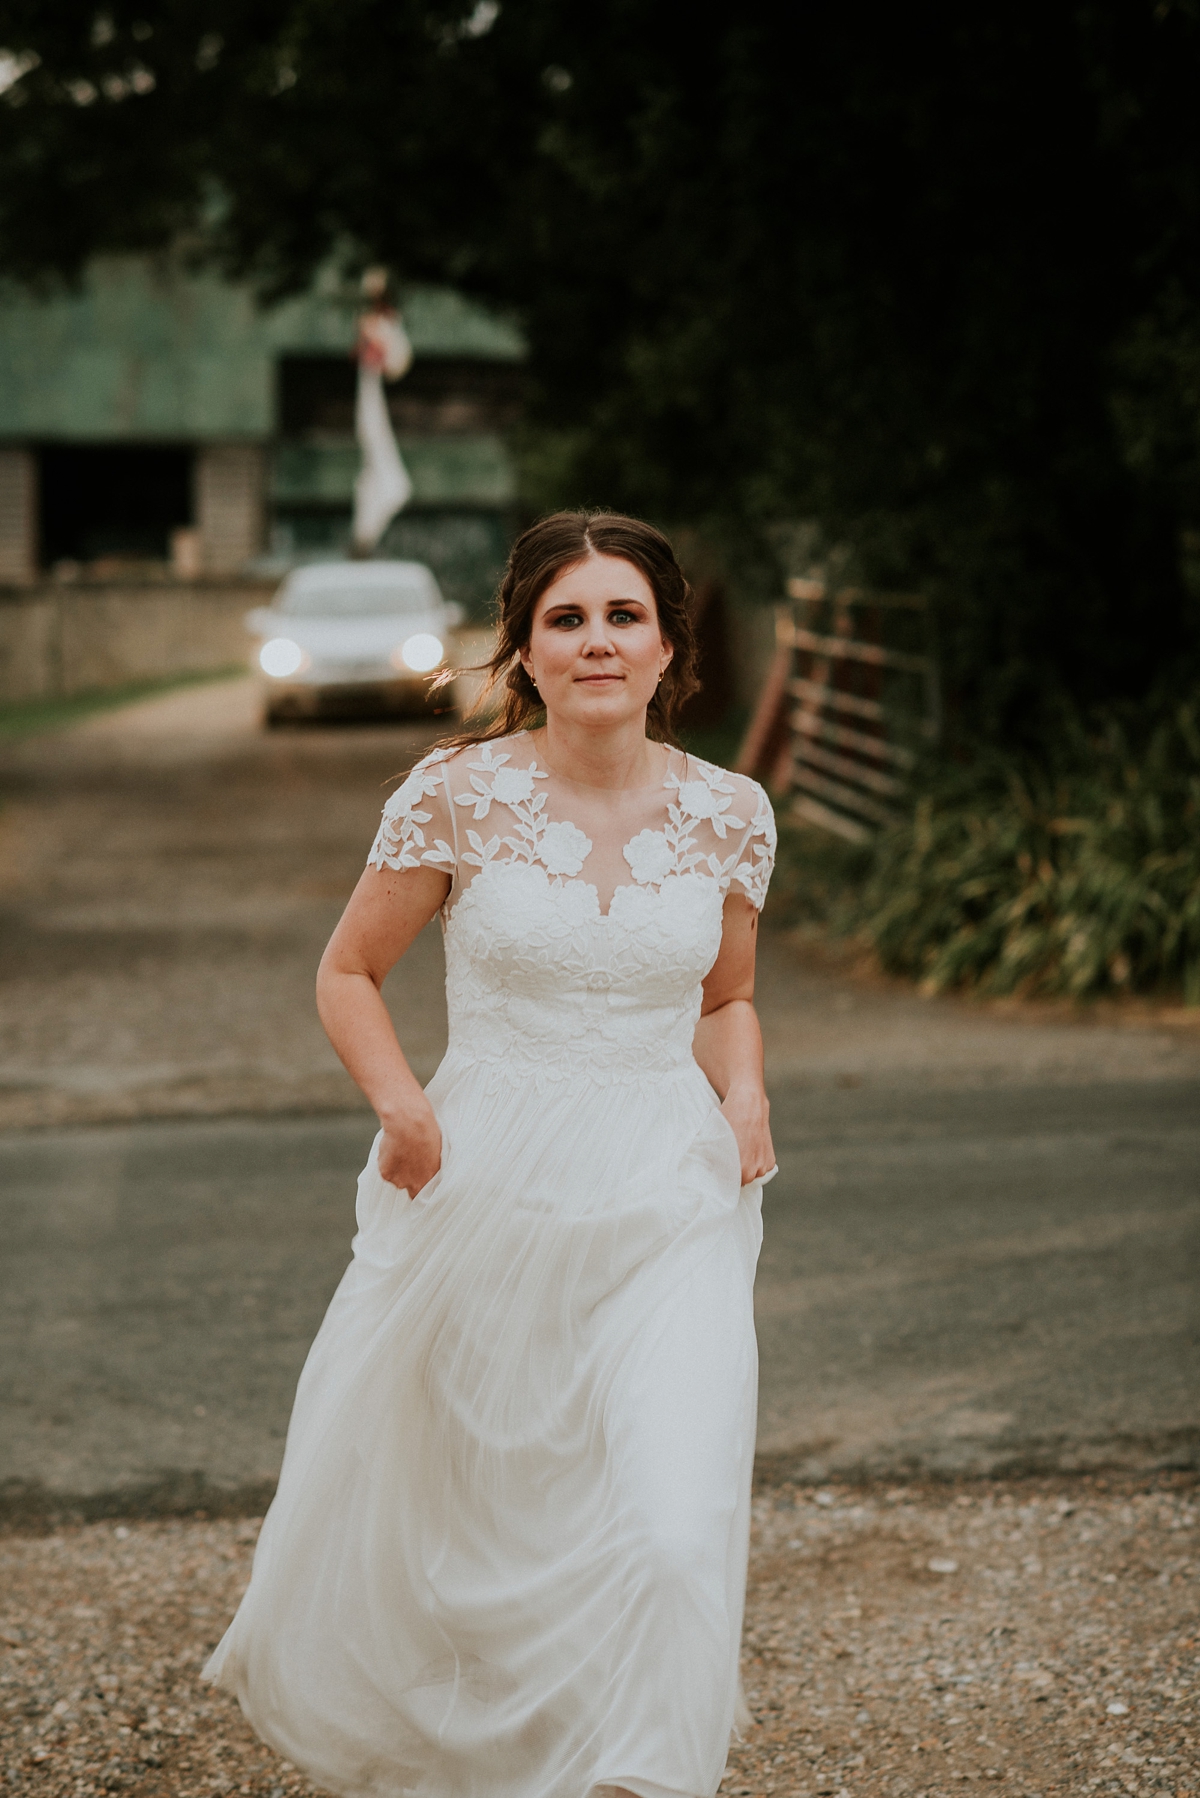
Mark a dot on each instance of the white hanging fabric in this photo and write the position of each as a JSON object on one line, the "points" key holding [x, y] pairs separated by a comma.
{"points": [[383, 486]]}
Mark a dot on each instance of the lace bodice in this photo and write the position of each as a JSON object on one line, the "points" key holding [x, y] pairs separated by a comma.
{"points": [[579, 926]]}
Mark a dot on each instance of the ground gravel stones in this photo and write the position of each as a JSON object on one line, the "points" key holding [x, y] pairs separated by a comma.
{"points": [[1041, 1636], [902, 1642]]}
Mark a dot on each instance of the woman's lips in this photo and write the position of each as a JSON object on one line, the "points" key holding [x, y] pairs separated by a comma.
{"points": [[597, 680]]}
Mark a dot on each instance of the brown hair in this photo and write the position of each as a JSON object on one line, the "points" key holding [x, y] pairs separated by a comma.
{"points": [[536, 560]]}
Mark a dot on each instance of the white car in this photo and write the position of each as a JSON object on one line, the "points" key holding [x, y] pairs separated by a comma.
{"points": [[344, 637]]}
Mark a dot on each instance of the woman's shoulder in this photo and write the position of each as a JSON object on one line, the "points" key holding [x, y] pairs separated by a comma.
{"points": [[739, 812], [450, 758], [453, 771], [464, 752], [422, 780], [736, 795]]}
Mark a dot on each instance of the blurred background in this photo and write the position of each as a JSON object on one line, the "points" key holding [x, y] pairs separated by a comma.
{"points": [[892, 320], [907, 303], [890, 316]]}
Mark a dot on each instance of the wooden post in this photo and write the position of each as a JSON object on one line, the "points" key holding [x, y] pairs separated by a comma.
{"points": [[230, 504], [18, 517]]}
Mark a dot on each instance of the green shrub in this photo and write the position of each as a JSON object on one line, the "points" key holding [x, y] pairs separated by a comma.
{"points": [[818, 880], [1078, 876]]}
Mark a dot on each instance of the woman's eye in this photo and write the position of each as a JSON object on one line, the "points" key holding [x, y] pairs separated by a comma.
{"points": [[568, 619], [621, 616]]}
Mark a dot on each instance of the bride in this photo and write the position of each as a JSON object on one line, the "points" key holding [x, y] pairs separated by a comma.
{"points": [[507, 1556]]}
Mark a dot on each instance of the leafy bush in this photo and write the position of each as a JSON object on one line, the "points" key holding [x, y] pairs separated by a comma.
{"points": [[1078, 876], [818, 881]]}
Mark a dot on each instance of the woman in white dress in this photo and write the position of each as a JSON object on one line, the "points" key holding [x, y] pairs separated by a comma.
{"points": [[507, 1556]]}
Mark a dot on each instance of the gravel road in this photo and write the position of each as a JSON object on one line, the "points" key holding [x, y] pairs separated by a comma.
{"points": [[901, 1642]]}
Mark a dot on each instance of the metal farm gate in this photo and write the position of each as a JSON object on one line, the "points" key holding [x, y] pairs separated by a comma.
{"points": [[851, 696]]}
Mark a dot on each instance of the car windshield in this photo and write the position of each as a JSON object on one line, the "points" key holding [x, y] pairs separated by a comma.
{"points": [[357, 602]]}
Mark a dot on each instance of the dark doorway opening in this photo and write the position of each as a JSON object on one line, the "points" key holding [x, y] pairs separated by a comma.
{"points": [[101, 500], [316, 394]]}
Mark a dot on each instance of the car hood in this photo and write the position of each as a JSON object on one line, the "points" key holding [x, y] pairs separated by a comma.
{"points": [[352, 639]]}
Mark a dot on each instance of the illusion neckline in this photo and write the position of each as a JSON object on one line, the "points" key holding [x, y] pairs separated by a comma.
{"points": [[582, 786]]}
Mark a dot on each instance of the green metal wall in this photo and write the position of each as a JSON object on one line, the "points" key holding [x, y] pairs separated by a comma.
{"points": [[147, 350]]}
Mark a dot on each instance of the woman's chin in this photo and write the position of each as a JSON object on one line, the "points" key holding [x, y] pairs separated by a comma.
{"points": [[599, 707]]}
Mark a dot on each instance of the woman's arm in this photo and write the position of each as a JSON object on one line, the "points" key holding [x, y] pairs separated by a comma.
{"points": [[728, 1041], [387, 910]]}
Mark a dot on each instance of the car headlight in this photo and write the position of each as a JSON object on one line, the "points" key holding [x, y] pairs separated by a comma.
{"points": [[281, 657], [420, 653]]}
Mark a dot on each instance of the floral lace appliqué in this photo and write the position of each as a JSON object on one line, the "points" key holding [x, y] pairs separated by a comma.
{"points": [[654, 855], [650, 856], [542, 986], [561, 848], [400, 842], [694, 838], [753, 877]]}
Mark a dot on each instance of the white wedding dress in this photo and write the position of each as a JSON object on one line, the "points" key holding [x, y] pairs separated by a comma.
{"points": [[507, 1556]]}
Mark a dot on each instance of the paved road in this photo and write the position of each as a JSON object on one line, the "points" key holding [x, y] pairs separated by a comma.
{"points": [[981, 1249], [979, 1280], [956, 1282]]}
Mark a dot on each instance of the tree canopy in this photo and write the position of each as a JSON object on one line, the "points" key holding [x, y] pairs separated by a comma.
{"points": [[929, 275]]}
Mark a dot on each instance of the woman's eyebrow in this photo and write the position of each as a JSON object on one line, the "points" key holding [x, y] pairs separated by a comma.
{"points": [[568, 605]]}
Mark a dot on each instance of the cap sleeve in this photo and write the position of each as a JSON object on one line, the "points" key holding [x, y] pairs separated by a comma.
{"points": [[417, 829], [755, 856]]}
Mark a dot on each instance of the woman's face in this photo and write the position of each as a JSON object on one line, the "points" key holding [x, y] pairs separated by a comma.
{"points": [[595, 651]]}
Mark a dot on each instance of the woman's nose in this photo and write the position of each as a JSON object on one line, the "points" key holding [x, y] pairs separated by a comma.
{"points": [[597, 642]]}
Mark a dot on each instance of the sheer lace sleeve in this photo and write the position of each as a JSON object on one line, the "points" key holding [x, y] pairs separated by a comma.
{"points": [[755, 858], [418, 830], [724, 813]]}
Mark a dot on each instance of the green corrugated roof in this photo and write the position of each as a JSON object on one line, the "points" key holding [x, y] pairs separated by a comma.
{"points": [[148, 350]]}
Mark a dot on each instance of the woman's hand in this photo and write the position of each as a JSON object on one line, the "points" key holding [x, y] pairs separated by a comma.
{"points": [[411, 1151], [746, 1110], [387, 913]]}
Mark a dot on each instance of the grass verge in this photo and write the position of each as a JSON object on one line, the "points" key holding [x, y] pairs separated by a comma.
{"points": [[30, 717]]}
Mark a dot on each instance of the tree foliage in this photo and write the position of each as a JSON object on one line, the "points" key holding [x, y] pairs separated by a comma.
{"points": [[929, 274]]}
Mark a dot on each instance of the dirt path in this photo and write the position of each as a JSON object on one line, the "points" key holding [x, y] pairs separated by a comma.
{"points": [[900, 1642], [170, 873]]}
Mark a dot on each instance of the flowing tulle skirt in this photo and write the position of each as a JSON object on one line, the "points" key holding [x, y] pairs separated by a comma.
{"points": [[507, 1556]]}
